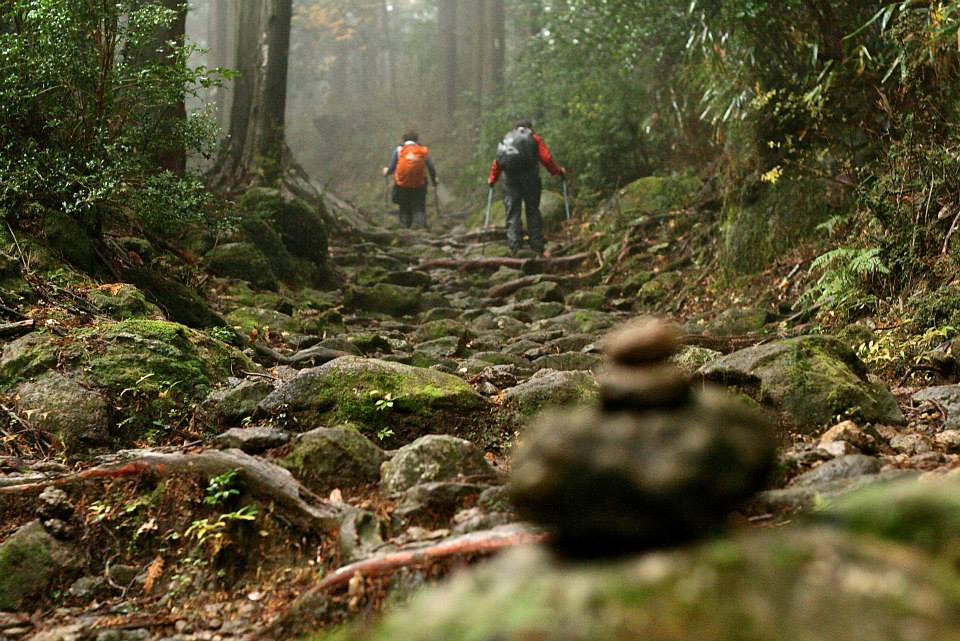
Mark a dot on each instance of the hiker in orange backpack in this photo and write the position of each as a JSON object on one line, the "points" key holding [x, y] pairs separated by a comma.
{"points": [[409, 165]]}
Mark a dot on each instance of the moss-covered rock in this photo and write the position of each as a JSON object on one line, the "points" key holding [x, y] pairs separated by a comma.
{"points": [[442, 328], [76, 418], [924, 514], [301, 227], [379, 395], [652, 195], [767, 219], [736, 321], [71, 240], [811, 380], [546, 291], [432, 458], [242, 261], [658, 291], [29, 562], [690, 358], [121, 301], [180, 303], [383, 298], [806, 585], [28, 356], [548, 388], [568, 361], [339, 457], [587, 299], [246, 319]]}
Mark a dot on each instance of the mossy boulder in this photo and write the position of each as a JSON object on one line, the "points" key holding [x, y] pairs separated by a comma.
{"points": [[77, 418], [765, 220], [66, 236], [301, 226], [339, 457], [801, 585], [587, 299], [232, 403], [243, 261], [658, 291], [546, 291], [383, 298], [442, 328], [652, 195], [924, 514], [246, 319], [737, 320], [180, 304], [30, 560], [548, 388], [568, 361], [146, 369], [582, 321], [379, 396], [121, 301], [810, 380], [432, 458]]}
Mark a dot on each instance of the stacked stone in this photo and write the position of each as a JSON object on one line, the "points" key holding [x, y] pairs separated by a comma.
{"points": [[656, 464]]}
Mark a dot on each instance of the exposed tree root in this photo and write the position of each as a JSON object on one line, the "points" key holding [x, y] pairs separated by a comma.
{"points": [[261, 478], [727, 344], [527, 265], [312, 356], [474, 543], [15, 329], [504, 290]]}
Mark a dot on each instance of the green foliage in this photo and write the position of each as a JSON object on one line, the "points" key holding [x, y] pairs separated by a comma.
{"points": [[87, 100], [215, 530], [222, 487], [847, 274]]}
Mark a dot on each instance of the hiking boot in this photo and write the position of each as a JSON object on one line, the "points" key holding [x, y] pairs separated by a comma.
{"points": [[526, 253]]}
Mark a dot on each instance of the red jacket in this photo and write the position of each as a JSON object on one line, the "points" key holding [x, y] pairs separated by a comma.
{"points": [[546, 159]]}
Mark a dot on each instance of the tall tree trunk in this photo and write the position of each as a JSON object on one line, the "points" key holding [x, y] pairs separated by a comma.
{"points": [[222, 40], [448, 38], [275, 97], [497, 44], [389, 51], [256, 141], [479, 50]]}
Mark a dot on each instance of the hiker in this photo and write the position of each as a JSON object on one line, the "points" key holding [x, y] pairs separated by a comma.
{"points": [[410, 163], [517, 157]]}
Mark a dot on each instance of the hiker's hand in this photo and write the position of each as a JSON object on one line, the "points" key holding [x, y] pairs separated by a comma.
{"points": [[386, 170]]}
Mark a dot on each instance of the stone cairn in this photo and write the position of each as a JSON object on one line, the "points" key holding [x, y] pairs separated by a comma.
{"points": [[656, 464]]}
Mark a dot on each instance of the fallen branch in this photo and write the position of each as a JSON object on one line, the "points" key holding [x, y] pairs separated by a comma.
{"points": [[504, 290], [727, 344], [261, 478], [474, 543], [17, 328]]}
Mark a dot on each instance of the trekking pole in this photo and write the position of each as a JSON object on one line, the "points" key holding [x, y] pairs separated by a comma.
{"points": [[566, 200], [436, 199], [486, 218], [386, 201]]}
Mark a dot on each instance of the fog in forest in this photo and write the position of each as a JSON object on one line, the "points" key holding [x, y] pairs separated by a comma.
{"points": [[362, 71]]}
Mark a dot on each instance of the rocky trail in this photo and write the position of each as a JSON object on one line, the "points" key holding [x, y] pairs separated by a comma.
{"points": [[352, 444]]}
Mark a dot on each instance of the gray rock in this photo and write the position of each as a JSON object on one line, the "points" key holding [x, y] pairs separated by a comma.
{"points": [[864, 440], [947, 396], [432, 458], [76, 417], [571, 361], [641, 341], [360, 534], [616, 482], [845, 467], [911, 444], [810, 497], [690, 358], [810, 380], [252, 440], [423, 504], [230, 405], [339, 457], [29, 561], [475, 519], [550, 388], [949, 440]]}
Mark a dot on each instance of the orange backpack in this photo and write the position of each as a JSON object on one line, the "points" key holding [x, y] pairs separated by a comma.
{"points": [[412, 166]]}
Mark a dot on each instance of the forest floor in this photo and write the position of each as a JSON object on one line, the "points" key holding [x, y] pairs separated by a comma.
{"points": [[203, 533]]}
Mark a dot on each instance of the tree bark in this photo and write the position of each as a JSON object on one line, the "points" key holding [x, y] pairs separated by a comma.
{"points": [[256, 141], [479, 50], [447, 14], [222, 40], [498, 45], [390, 53]]}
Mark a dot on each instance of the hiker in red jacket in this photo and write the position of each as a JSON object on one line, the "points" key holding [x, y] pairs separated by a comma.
{"points": [[409, 164], [518, 158]]}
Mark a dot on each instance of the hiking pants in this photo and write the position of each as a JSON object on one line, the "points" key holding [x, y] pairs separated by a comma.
{"points": [[413, 206], [519, 190]]}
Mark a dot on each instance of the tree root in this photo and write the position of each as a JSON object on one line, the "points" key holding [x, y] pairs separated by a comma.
{"points": [[526, 265], [15, 329], [261, 478], [502, 291], [311, 356]]}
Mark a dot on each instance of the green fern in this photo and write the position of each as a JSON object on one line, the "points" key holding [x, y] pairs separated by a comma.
{"points": [[847, 271]]}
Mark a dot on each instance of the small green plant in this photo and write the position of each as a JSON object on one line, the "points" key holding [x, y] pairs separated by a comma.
{"points": [[384, 433], [222, 334], [204, 530], [847, 273], [222, 487], [384, 404]]}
